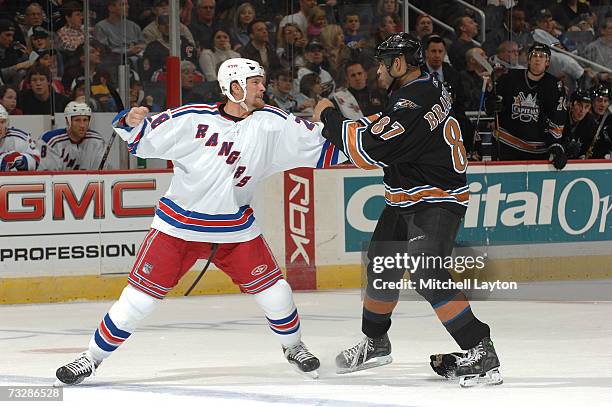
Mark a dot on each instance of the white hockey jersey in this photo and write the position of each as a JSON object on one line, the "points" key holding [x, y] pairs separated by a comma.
{"points": [[59, 153], [18, 144], [218, 161]]}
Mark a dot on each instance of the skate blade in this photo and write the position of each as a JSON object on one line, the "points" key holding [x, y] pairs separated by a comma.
{"points": [[59, 383], [492, 377], [313, 374], [374, 362]]}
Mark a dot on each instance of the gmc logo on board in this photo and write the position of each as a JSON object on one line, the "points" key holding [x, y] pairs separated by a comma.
{"points": [[33, 197]]}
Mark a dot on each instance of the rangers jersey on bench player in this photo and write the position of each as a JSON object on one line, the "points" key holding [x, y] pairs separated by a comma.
{"points": [[18, 144], [59, 153]]}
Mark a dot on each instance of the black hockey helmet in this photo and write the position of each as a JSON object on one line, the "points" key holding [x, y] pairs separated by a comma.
{"points": [[600, 91], [538, 47], [400, 44], [580, 95]]}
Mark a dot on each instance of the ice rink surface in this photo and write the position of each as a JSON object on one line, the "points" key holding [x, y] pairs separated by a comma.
{"points": [[218, 351]]}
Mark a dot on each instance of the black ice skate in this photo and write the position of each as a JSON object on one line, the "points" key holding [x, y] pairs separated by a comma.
{"points": [[369, 353], [75, 372], [302, 360], [479, 366], [445, 364]]}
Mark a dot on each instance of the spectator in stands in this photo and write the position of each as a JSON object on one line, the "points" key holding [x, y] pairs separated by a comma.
{"points": [[8, 99], [71, 35], [152, 31], [435, 51], [189, 77], [507, 57], [138, 97], [40, 98], [33, 17], [471, 79], [211, 59], [284, 96], [600, 51], [514, 27], [156, 52], [204, 26], [389, 7], [239, 34], [259, 48], [466, 30], [109, 31], [311, 87], [314, 59], [77, 94], [569, 10], [352, 34], [335, 50], [50, 59], [301, 17], [18, 151], [290, 46], [316, 21], [544, 21], [423, 26], [384, 27], [78, 70], [40, 40], [75, 147], [357, 100], [13, 58], [580, 127]]}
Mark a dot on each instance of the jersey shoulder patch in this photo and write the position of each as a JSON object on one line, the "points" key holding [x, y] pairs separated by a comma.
{"points": [[54, 136], [274, 111], [17, 133]]}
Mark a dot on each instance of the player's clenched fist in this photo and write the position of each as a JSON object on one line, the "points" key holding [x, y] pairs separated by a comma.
{"points": [[136, 116], [321, 105]]}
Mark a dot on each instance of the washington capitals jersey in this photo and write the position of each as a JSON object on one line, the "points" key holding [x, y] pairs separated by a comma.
{"points": [[417, 142], [59, 153], [218, 161], [534, 113], [17, 144]]}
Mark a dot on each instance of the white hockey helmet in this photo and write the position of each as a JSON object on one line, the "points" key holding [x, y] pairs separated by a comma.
{"points": [[3, 113], [237, 69], [76, 109]]}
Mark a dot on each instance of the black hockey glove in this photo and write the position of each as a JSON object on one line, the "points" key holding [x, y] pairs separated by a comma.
{"points": [[558, 158], [494, 104]]}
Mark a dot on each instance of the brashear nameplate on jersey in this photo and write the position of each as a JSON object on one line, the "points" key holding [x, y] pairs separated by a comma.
{"points": [[439, 112]]}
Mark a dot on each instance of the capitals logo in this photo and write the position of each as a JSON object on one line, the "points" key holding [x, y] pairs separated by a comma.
{"points": [[525, 108]]}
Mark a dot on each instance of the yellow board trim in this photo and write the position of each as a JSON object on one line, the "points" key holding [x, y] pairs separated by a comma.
{"points": [[73, 288]]}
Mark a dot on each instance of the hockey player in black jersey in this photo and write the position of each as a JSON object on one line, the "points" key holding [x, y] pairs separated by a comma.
{"points": [[417, 142], [530, 105], [581, 126], [601, 144]]}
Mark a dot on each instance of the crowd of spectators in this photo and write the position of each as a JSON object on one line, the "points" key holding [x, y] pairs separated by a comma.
{"points": [[309, 48]]}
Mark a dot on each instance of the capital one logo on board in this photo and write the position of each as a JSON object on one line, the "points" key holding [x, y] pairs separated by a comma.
{"points": [[538, 207]]}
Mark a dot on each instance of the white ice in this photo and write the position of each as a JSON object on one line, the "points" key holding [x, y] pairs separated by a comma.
{"points": [[218, 350]]}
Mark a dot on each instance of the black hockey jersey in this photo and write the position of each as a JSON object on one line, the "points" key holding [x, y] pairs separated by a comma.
{"points": [[415, 140], [581, 132], [602, 146], [533, 115]]}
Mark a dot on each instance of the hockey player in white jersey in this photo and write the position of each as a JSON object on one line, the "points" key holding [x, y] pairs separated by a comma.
{"points": [[76, 147], [220, 152], [17, 149]]}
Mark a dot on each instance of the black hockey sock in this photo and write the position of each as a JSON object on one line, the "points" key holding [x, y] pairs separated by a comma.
{"points": [[375, 325], [469, 334]]}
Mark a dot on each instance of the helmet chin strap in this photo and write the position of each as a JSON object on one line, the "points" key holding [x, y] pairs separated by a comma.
{"points": [[241, 101]]}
